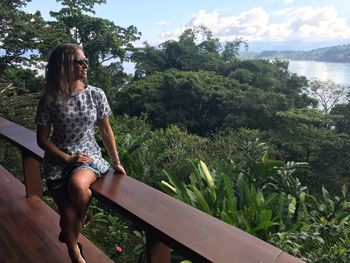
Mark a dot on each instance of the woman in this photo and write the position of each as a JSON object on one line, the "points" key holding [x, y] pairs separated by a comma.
{"points": [[73, 159]]}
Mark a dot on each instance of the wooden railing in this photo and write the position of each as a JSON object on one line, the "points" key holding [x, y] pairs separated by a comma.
{"points": [[168, 222]]}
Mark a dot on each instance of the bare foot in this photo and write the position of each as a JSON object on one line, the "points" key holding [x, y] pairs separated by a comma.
{"points": [[76, 256]]}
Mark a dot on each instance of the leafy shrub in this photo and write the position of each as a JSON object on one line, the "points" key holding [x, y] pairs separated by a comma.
{"points": [[268, 201], [321, 241]]}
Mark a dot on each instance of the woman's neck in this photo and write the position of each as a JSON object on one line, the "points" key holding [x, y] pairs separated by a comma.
{"points": [[78, 86]]}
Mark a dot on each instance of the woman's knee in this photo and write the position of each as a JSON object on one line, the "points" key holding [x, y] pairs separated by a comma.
{"points": [[78, 192], [75, 187], [79, 184]]}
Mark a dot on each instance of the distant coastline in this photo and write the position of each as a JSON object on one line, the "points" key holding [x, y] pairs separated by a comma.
{"points": [[338, 54]]}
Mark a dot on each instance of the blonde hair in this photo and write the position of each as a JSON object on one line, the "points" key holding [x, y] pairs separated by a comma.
{"points": [[59, 73]]}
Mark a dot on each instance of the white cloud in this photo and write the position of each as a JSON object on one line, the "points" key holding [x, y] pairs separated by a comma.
{"points": [[249, 23], [162, 23], [304, 23], [321, 23], [287, 2]]}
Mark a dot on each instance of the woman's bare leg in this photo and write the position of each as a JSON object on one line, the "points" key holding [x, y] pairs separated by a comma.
{"points": [[79, 191], [79, 196], [73, 202], [69, 222]]}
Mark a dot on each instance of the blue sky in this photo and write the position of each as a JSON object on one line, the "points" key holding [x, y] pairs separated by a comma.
{"points": [[279, 21]]}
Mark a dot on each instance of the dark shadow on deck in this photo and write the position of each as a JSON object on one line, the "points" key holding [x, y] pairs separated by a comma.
{"points": [[29, 228]]}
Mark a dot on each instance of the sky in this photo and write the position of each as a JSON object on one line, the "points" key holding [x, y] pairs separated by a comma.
{"points": [[266, 23]]}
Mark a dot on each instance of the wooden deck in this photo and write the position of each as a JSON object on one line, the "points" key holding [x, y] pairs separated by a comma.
{"points": [[29, 228]]}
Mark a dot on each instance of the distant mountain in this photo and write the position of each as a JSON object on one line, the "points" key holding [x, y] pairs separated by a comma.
{"points": [[294, 45], [340, 53]]}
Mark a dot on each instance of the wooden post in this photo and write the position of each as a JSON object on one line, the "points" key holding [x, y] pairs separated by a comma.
{"points": [[32, 178], [156, 251]]}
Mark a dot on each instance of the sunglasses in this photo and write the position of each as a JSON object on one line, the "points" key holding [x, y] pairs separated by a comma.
{"points": [[81, 62]]}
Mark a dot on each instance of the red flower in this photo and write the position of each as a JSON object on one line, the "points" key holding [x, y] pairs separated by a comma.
{"points": [[118, 248]]}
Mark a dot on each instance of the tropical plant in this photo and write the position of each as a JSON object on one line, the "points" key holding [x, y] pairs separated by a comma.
{"points": [[334, 210], [241, 204], [322, 241], [285, 215]]}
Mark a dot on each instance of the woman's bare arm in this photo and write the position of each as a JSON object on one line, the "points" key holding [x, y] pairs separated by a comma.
{"points": [[42, 137], [109, 143]]}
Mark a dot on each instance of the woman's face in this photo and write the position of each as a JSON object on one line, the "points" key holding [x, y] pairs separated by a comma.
{"points": [[81, 65]]}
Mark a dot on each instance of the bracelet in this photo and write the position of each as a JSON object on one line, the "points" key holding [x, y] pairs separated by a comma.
{"points": [[116, 160]]}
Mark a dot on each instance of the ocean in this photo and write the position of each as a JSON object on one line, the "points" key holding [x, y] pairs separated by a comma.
{"points": [[337, 72]]}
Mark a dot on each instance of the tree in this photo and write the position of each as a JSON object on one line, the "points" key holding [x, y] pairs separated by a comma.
{"points": [[103, 41], [242, 75], [342, 124], [20, 33], [201, 102], [328, 93], [192, 100], [231, 50], [306, 135], [300, 132], [27, 78], [148, 60], [253, 108], [28, 38], [195, 49]]}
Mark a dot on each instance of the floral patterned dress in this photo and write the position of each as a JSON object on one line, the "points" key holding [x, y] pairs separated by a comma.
{"points": [[74, 123]]}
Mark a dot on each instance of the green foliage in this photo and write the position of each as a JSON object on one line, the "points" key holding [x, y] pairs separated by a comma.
{"points": [[10, 158], [80, 5], [231, 50], [305, 135], [196, 49], [20, 108], [285, 215], [28, 38], [102, 40], [242, 75], [266, 87], [321, 241], [26, 78], [328, 93], [239, 94], [197, 99], [202, 102], [120, 244], [145, 153], [241, 204], [19, 32], [342, 124], [337, 209]]}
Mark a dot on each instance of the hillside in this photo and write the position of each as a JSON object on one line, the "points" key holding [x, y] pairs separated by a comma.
{"points": [[327, 54]]}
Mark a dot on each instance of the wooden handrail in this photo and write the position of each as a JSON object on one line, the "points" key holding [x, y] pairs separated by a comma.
{"points": [[168, 222], [25, 140]]}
